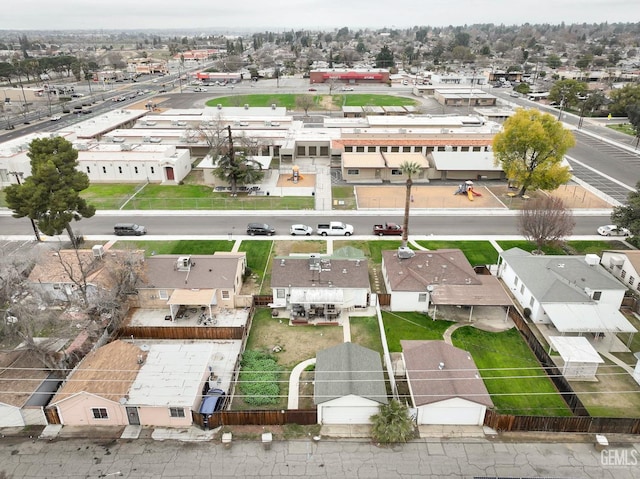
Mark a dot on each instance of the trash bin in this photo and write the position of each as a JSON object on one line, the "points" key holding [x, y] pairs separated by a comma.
{"points": [[267, 438], [226, 439]]}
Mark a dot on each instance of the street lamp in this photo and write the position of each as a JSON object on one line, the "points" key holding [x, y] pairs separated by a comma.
{"points": [[18, 175]]}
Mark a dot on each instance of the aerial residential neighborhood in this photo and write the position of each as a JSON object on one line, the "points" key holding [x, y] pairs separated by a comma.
{"points": [[300, 241]]}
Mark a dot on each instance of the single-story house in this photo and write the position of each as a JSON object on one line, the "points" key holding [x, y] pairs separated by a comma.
{"points": [[320, 286], [145, 383], [438, 278], [192, 281], [382, 167], [349, 384], [574, 294], [444, 383], [62, 275], [26, 386]]}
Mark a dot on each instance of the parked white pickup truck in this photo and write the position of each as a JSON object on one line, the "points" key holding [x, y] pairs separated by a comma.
{"points": [[334, 228]]}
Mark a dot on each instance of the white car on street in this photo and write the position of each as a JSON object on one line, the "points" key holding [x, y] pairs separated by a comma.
{"points": [[55, 118], [300, 230], [613, 230]]}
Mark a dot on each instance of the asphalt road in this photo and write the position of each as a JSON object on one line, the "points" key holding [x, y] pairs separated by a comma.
{"points": [[211, 223]]}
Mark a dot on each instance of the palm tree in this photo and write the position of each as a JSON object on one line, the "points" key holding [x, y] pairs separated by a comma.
{"points": [[392, 424], [409, 169]]}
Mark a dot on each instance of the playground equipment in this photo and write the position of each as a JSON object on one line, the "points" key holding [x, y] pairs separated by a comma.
{"points": [[466, 188], [295, 175]]}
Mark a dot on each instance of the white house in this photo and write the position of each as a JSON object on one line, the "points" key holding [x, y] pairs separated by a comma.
{"points": [[624, 265], [574, 294], [316, 285], [440, 277], [349, 384], [444, 383]]}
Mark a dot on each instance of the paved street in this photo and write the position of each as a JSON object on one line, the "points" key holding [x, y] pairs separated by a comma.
{"points": [[431, 458]]}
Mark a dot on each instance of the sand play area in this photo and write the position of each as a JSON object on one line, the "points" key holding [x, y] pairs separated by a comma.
{"points": [[387, 196]]}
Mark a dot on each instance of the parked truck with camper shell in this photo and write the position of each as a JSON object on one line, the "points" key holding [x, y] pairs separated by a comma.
{"points": [[334, 228]]}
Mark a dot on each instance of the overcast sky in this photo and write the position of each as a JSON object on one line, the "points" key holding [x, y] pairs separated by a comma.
{"points": [[278, 15]]}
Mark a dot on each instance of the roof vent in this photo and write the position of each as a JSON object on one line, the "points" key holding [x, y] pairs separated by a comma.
{"points": [[405, 252]]}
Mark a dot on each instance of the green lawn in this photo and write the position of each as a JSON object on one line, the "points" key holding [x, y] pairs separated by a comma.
{"points": [[178, 247], [514, 378], [572, 247], [282, 100], [366, 333], [626, 128], [476, 252], [371, 249], [414, 326], [108, 196], [199, 197], [258, 255]]}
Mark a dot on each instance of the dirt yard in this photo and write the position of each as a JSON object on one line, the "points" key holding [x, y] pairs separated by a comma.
{"points": [[430, 196], [297, 343]]}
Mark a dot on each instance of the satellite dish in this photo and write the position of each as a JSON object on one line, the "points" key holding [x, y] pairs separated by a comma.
{"points": [[145, 347], [122, 401]]}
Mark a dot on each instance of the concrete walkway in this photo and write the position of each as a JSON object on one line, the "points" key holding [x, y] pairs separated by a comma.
{"points": [[446, 336], [294, 382], [617, 361]]}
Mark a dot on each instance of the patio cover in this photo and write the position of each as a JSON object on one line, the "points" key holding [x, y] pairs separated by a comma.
{"points": [[316, 295], [489, 293], [575, 349], [190, 297], [587, 318]]}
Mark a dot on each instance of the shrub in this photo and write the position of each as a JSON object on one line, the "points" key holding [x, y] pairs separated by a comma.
{"points": [[392, 424], [259, 378]]}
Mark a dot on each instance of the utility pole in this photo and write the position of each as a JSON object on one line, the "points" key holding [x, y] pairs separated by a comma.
{"points": [[18, 175]]}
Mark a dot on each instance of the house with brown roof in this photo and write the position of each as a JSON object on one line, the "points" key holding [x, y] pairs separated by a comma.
{"points": [[26, 386], [204, 281], [318, 286], [150, 383], [429, 279], [444, 384], [61, 275]]}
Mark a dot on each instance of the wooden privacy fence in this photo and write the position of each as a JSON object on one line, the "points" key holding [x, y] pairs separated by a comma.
{"points": [[594, 425], [257, 418], [262, 300], [182, 332], [554, 374], [51, 413]]}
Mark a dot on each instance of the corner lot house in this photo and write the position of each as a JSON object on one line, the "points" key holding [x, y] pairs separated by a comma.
{"points": [[569, 295], [349, 384], [444, 383]]}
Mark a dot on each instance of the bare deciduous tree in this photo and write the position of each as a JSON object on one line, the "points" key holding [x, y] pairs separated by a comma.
{"points": [[545, 220], [305, 102]]}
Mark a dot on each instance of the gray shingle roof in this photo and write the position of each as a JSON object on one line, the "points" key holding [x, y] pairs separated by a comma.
{"points": [[349, 369], [339, 273], [559, 278]]}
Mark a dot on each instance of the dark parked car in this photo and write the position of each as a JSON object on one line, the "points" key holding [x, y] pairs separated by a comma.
{"points": [[212, 402], [260, 229]]}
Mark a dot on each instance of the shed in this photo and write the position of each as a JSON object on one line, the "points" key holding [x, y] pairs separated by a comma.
{"points": [[580, 358]]}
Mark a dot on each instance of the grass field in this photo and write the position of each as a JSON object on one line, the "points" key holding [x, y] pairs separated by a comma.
{"points": [[199, 197], [414, 326], [513, 377], [371, 249], [288, 101], [178, 247], [572, 247], [476, 252]]}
